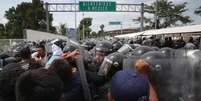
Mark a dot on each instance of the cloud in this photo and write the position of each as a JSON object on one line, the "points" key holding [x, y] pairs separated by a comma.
{"points": [[3, 20]]}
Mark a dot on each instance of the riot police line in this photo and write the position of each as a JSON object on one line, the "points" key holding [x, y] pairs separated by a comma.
{"points": [[174, 66]]}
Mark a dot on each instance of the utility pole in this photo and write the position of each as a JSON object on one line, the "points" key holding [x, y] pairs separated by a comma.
{"points": [[142, 17], [47, 17], [156, 16], [121, 28], [75, 15], [83, 27]]}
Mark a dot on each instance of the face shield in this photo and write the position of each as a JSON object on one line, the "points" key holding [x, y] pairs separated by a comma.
{"points": [[71, 46], [105, 67], [155, 65], [157, 60], [125, 49], [112, 60]]}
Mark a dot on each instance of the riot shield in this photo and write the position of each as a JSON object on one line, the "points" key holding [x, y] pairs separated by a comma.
{"points": [[176, 75], [80, 65], [129, 62], [186, 75], [159, 73]]}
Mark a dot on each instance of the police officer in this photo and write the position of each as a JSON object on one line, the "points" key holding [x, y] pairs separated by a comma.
{"points": [[96, 81], [102, 49]]}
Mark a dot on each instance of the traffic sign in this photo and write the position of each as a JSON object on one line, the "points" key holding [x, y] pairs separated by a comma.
{"points": [[115, 23], [72, 33], [98, 6]]}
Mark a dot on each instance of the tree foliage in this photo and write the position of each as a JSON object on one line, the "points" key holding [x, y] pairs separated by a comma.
{"points": [[94, 34], [198, 11], [63, 29], [84, 27], [168, 13], [2, 31], [26, 16]]}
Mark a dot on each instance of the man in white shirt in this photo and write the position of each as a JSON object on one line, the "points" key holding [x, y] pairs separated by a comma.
{"points": [[40, 55]]}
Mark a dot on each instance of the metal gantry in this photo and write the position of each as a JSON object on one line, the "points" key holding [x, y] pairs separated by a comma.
{"points": [[74, 7]]}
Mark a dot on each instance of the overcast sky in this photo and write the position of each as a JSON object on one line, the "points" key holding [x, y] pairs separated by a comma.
{"points": [[101, 18]]}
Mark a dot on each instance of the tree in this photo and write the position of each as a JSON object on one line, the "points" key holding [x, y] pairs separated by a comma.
{"points": [[198, 11], [149, 24], [94, 34], [2, 31], [84, 30], [63, 29], [168, 13], [101, 31], [26, 16]]}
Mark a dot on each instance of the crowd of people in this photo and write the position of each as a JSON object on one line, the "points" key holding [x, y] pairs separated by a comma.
{"points": [[48, 70], [169, 42]]}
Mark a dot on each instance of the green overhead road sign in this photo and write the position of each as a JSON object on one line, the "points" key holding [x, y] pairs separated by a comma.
{"points": [[97, 6], [115, 23]]}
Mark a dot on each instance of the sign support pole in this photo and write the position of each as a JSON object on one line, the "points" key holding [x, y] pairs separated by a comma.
{"points": [[142, 17], [47, 17]]}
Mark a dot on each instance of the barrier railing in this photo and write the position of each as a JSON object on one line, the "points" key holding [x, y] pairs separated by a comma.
{"points": [[9, 44]]}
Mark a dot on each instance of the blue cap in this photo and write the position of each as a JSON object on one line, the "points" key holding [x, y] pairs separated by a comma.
{"points": [[128, 85]]}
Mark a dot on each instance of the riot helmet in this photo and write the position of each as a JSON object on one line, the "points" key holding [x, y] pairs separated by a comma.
{"points": [[117, 45], [190, 46], [104, 47], [88, 45], [141, 50], [169, 52], [155, 48]]}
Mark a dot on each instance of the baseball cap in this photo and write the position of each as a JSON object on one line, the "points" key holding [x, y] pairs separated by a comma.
{"points": [[128, 85]]}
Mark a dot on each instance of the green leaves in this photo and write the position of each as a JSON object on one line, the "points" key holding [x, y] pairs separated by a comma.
{"points": [[198, 11], [168, 13], [26, 16], [84, 29], [63, 29]]}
